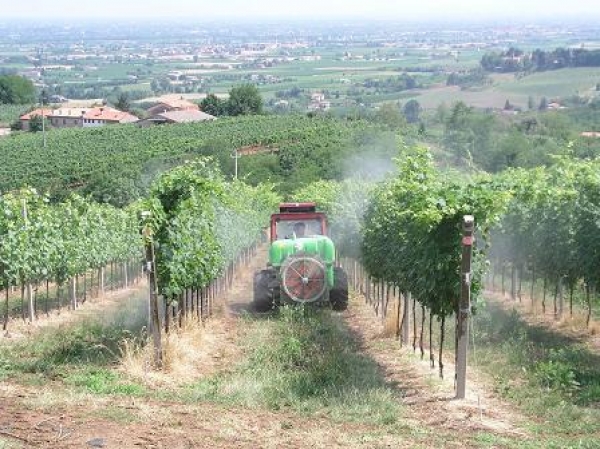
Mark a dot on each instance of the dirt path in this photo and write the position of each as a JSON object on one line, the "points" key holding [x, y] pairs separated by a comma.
{"points": [[431, 399], [52, 416], [571, 327]]}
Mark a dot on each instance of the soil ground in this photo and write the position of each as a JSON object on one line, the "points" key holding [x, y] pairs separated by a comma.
{"points": [[52, 416]]}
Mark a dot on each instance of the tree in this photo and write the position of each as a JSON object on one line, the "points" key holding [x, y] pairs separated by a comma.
{"points": [[35, 124], [543, 104], [16, 89], [441, 113], [530, 103], [123, 103], [412, 110], [244, 100], [389, 114], [213, 105]]}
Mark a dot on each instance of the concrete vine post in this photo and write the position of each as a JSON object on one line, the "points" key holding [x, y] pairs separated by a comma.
{"points": [[464, 308]]}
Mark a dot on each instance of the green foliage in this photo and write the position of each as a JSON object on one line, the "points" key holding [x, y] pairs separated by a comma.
{"points": [[58, 241], [10, 113], [554, 378], [199, 223], [104, 382], [213, 105], [473, 78], [118, 163], [123, 103], [244, 100], [412, 111], [306, 360], [412, 230], [16, 90], [38, 123], [552, 223], [389, 115], [515, 60]]}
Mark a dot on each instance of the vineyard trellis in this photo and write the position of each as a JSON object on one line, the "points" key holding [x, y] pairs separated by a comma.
{"points": [[198, 230], [62, 244], [551, 232], [401, 239]]}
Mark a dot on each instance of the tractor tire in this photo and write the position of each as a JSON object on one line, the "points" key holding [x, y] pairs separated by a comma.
{"points": [[338, 296], [262, 301]]}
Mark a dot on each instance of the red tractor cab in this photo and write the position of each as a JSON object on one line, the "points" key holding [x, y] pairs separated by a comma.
{"points": [[297, 219]]}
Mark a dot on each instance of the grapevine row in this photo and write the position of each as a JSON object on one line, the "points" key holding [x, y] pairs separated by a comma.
{"points": [[197, 225], [117, 164], [551, 232], [44, 242]]}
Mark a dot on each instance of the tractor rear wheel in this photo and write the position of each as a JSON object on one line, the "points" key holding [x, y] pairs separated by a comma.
{"points": [[338, 296], [262, 300]]}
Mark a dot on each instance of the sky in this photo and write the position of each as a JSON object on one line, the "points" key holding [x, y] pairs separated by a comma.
{"points": [[291, 9]]}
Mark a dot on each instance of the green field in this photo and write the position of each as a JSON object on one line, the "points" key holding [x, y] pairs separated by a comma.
{"points": [[557, 84]]}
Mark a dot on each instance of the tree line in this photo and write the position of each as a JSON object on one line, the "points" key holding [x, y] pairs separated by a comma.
{"points": [[517, 60]]}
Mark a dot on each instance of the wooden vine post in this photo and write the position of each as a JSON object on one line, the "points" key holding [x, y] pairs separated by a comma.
{"points": [[154, 318], [406, 298], [464, 308]]}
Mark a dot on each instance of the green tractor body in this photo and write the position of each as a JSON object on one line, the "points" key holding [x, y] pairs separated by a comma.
{"points": [[302, 262]]}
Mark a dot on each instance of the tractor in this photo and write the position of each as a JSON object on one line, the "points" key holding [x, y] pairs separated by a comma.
{"points": [[302, 265]]}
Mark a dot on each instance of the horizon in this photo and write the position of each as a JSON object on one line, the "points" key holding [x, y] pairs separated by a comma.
{"points": [[264, 10]]}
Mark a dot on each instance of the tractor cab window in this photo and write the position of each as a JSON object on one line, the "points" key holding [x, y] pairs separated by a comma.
{"points": [[300, 228]]}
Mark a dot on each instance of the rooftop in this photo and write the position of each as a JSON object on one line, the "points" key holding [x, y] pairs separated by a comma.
{"points": [[185, 116]]}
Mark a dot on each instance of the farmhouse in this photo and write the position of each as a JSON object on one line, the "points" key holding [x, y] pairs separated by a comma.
{"points": [[78, 117], [167, 105], [106, 116]]}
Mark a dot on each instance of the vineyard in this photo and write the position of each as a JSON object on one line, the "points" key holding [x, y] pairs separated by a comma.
{"points": [[400, 241], [117, 164], [58, 243]]}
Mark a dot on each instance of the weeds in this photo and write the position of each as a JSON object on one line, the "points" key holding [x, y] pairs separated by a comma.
{"points": [[306, 360], [553, 377], [80, 354]]}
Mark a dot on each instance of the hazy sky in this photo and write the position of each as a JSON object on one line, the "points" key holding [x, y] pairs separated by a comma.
{"points": [[397, 9]]}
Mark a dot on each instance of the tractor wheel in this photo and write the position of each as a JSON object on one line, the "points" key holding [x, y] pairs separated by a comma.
{"points": [[262, 301], [338, 296]]}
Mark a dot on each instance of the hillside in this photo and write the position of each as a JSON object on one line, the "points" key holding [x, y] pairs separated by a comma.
{"points": [[117, 164]]}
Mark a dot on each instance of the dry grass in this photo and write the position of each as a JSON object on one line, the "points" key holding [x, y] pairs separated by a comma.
{"points": [[50, 398], [572, 326], [191, 352]]}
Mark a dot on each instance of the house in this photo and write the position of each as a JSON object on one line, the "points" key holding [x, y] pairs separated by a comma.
{"points": [[318, 102], [190, 116], [67, 117], [106, 116], [26, 118], [166, 105], [79, 117], [593, 134]]}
